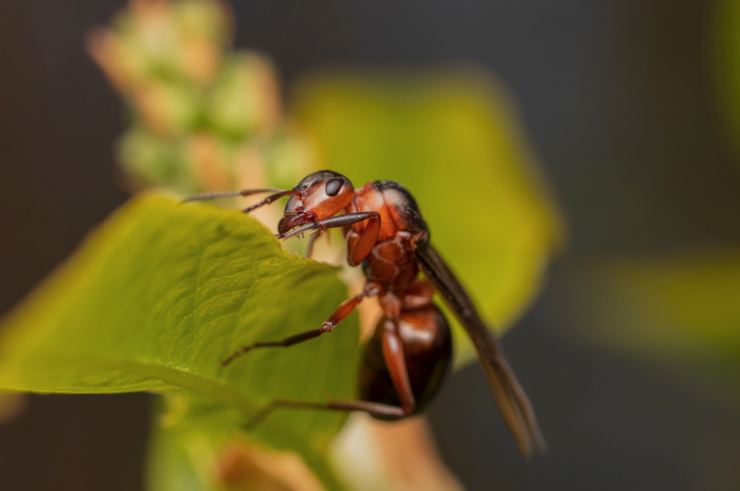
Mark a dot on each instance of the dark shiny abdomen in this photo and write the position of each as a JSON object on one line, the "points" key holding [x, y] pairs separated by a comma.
{"points": [[427, 344]]}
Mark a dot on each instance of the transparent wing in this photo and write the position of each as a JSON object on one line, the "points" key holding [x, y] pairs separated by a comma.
{"points": [[513, 402]]}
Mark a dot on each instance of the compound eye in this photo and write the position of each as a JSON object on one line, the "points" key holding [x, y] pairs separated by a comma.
{"points": [[333, 186]]}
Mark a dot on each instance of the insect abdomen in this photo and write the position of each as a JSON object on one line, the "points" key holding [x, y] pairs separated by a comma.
{"points": [[427, 344]]}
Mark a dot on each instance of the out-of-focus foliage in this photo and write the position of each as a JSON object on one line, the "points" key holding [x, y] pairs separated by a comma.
{"points": [[11, 404], [181, 457], [195, 448], [726, 31], [401, 456], [203, 116], [681, 309], [159, 295], [453, 140]]}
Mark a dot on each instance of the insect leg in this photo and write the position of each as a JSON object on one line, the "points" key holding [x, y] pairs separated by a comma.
{"points": [[360, 244], [332, 222], [372, 408], [335, 318], [395, 360], [311, 241]]}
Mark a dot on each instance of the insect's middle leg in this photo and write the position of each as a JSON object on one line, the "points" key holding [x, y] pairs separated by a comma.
{"points": [[335, 318]]}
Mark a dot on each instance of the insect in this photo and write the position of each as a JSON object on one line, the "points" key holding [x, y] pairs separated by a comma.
{"points": [[407, 358]]}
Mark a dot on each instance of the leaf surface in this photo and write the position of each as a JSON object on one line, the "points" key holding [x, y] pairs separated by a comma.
{"points": [[681, 308], [725, 33], [158, 295]]}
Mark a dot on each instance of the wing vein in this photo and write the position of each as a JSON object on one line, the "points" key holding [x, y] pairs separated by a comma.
{"points": [[515, 407]]}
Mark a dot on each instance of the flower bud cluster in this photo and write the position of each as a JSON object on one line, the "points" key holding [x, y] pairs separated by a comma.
{"points": [[203, 116]]}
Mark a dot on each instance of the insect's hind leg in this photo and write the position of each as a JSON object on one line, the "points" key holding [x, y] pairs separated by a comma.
{"points": [[372, 408]]}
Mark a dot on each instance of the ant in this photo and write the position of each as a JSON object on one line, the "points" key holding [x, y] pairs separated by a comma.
{"points": [[408, 356]]}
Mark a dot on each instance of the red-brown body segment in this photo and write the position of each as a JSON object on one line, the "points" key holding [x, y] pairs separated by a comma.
{"points": [[319, 195], [382, 226], [407, 358], [385, 245], [413, 338], [427, 346]]}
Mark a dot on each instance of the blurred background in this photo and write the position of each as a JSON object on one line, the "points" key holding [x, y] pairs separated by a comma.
{"points": [[624, 110]]}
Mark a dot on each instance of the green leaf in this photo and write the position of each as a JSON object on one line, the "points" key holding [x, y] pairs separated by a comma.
{"points": [[180, 460], [680, 309], [159, 294], [191, 437], [726, 57], [455, 143]]}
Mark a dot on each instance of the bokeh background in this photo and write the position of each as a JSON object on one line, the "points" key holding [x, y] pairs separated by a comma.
{"points": [[619, 99]]}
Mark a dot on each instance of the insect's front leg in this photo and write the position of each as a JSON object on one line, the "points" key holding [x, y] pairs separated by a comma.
{"points": [[346, 308], [312, 241], [360, 244], [327, 223]]}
